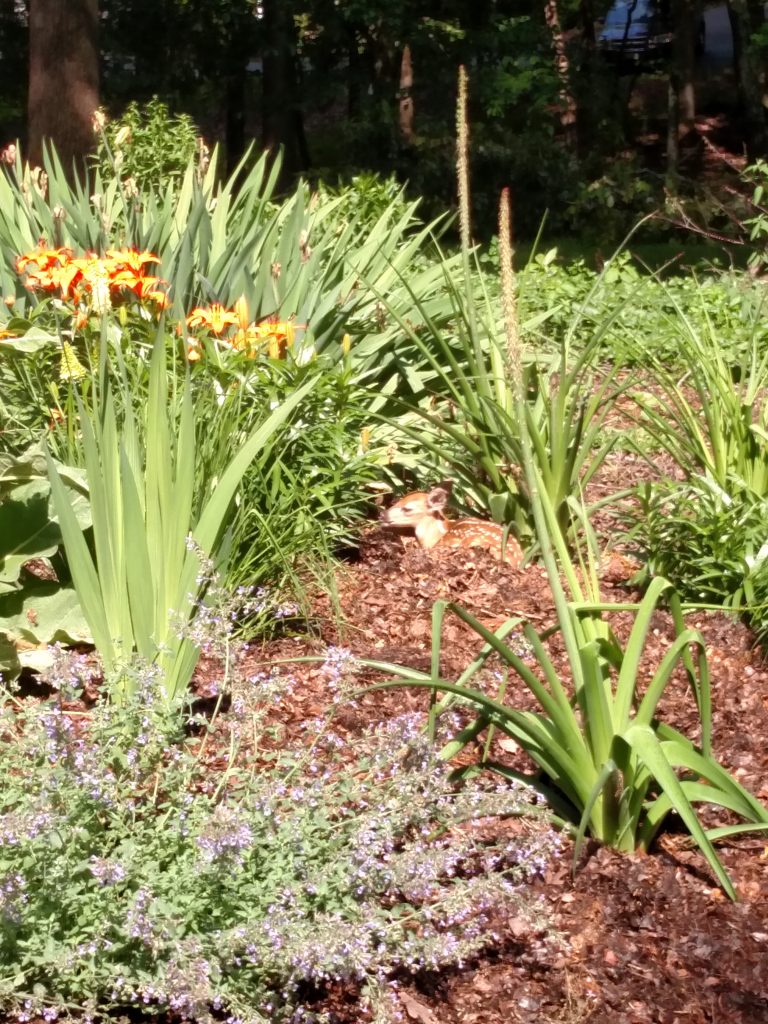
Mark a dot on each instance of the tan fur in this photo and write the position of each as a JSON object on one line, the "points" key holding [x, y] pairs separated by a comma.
{"points": [[422, 512]]}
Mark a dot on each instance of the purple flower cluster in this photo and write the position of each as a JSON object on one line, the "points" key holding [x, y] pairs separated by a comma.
{"points": [[227, 836], [139, 923], [20, 826], [107, 872], [13, 897]]}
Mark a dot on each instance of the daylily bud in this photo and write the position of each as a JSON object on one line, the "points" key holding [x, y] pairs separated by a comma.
{"points": [[123, 136]]}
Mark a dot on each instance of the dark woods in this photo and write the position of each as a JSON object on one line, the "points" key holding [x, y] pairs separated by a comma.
{"points": [[369, 85]]}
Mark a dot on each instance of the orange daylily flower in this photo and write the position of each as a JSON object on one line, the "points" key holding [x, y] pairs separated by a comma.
{"points": [[159, 298], [278, 335], [44, 259], [216, 318], [65, 278], [241, 312], [132, 258], [55, 270]]}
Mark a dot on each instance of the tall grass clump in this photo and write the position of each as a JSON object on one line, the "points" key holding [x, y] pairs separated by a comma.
{"points": [[135, 879], [464, 414], [706, 529], [154, 525]]}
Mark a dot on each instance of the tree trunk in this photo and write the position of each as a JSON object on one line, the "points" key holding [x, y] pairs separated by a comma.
{"points": [[568, 108], [681, 120], [687, 14], [63, 77], [746, 17], [282, 120], [406, 98], [673, 136]]}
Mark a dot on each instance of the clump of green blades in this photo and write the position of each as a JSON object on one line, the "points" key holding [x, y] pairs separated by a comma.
{"points": [[609, 768], [143, 578]]}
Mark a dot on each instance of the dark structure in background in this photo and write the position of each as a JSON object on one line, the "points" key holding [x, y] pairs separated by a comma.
{"points": [[346, 88], [63, 77]]}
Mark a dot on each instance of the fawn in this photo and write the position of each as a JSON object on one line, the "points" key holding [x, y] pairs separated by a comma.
{"points": [[422, 511]]}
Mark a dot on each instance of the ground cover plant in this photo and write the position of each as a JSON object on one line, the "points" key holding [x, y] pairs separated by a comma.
{"points": [[131, 877]]}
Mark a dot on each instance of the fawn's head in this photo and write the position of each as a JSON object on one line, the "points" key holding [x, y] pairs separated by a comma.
{"points": [[414, 508]]}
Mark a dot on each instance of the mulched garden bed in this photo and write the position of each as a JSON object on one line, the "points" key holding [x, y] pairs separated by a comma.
{"points": [[646, 938]]}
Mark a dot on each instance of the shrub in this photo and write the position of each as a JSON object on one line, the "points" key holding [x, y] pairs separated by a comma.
{"points": [[639, 316], [709, 541], [146, 145], [131, 878], [701, 536]]}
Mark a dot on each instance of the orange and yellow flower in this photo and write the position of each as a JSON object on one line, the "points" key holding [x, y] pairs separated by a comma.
{"points": [[102, 280], [271, 336], [215, 318]]}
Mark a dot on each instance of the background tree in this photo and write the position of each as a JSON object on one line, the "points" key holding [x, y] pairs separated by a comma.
{"points": [[747, 21], [348, 87], [63, 77], [681, 122]]}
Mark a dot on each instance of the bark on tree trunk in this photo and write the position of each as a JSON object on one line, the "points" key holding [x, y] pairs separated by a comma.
{"points": [[406, 98], [681, 120], [568, 110], [282, 120], [63, 77], [746, 17], [673, 136], [687, 14]]}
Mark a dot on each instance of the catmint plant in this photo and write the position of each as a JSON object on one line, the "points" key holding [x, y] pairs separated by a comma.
{"points": [[134, 877]]}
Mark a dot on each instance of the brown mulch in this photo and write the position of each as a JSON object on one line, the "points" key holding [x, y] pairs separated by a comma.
{"points": [[647, 938]]}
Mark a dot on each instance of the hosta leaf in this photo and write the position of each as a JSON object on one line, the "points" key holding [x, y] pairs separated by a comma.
{"points": [[44, 613]]}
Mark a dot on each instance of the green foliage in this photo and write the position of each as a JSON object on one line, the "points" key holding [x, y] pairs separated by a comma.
{"points": [[706, 539], [154, 526], [36, 608], [467, 417], [709, 541], [365, 198], [303, 500], [756, 175], [33, 392], [641, 318], [131, 878], [714, 419], [609, 766], [604, 208], [146, 145]]}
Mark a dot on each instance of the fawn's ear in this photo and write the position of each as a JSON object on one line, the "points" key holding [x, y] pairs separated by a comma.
{"points": [[437, 498]]}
